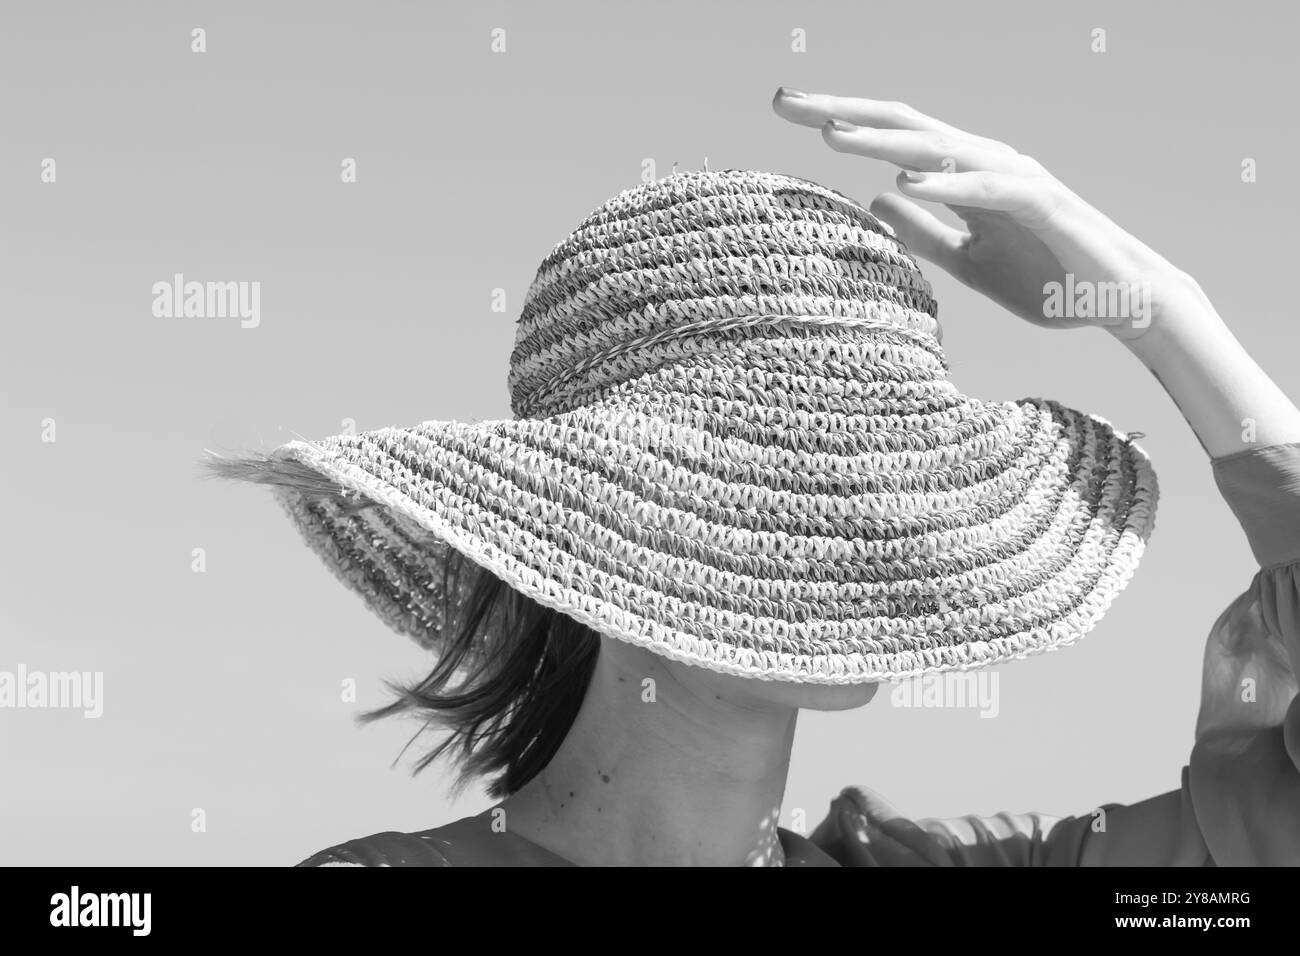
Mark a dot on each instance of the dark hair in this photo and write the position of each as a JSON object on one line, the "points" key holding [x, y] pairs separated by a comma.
{"points": [[508, 683], [511, 673]]}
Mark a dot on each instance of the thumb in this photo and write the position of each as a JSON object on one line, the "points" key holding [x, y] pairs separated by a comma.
{"points": [[923, 233]]}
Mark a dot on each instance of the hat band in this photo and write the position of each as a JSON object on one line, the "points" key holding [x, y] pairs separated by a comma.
{"points": [[537, 398]]}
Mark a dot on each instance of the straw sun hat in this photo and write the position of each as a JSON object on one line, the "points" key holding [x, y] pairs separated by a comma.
{"points": [[735, 443]]}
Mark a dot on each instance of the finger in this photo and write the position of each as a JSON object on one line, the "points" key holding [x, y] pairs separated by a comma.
{"points": [[870, 804], [814, 109], [892, 837], [923, 233], [903, 843], [918, 149], [1030, 199]]}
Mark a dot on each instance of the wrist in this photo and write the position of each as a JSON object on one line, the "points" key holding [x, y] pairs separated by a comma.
{"points": [[1181, 316]]}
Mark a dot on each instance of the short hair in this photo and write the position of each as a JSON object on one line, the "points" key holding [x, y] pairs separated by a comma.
{"points": [[510, 675]]}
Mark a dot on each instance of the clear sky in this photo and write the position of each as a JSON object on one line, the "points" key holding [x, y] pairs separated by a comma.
{"points": [[222, 689]]}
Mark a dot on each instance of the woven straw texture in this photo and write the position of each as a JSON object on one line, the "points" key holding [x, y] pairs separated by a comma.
{"points": [[736, 444]]}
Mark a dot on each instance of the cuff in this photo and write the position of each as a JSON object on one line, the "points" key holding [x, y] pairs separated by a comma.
{"points": [[1262, 487]]}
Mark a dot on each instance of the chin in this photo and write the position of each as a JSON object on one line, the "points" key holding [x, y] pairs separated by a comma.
{"points": [[813, 696], [635, 663], [754, 693]]}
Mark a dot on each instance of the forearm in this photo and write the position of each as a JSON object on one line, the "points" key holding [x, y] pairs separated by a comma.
{"points": [[1229, 401]]}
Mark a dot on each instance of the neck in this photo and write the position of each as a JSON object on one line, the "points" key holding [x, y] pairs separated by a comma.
{"points": [[661, 768]]}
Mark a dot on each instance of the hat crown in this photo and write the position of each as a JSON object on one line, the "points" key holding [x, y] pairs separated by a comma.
{"points": [[706, 270]]}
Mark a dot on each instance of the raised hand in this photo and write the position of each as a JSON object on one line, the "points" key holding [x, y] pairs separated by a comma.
{"points": [[1030, 243]]}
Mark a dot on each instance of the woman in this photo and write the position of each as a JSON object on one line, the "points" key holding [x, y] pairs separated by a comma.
{"points": [[739, 484]]}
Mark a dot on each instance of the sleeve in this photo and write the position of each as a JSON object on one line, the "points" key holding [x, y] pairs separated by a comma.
{"points": [[1239, 799]]}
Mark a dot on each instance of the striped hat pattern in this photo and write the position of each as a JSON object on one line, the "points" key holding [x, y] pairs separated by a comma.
{"points": [[735, 443]]}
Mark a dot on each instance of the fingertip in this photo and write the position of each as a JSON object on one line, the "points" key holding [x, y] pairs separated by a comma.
{"points": [[784, 100], [884, 203], [910, 179], [833, 131]]}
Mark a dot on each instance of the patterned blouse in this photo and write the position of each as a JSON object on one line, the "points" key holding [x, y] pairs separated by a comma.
{"points": [[1238, 802]]}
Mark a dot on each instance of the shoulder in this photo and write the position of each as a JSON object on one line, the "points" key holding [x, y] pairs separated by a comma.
{"points": [[389, 848], [471, 841]]}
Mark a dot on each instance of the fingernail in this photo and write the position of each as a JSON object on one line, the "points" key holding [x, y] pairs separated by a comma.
{"points": [[913, 177], [839, 124], [786, 92]]}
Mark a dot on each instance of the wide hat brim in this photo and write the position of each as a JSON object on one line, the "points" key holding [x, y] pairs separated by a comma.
{"points": [[1005, 535]]}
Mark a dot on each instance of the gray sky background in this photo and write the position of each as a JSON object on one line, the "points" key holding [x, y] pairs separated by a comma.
{"points": [[222, 689]]}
